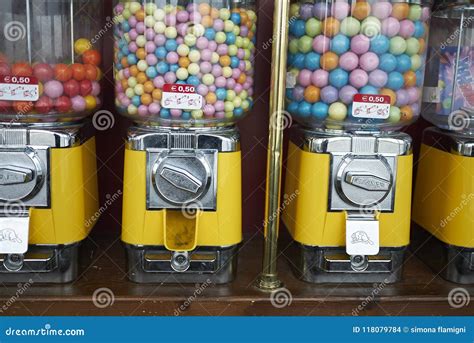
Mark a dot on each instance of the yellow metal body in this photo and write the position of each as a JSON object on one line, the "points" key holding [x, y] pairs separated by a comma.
{"points": [[176, 229], [74, 197], [306, 212], [444, 196]]}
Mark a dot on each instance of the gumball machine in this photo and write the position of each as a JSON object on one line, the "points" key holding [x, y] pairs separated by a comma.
{"points": [[49, 83], [184, 75], [444, 193], [355, 72]]}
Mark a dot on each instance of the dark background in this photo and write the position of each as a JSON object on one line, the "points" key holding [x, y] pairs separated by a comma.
{"points": [[253, 128]]}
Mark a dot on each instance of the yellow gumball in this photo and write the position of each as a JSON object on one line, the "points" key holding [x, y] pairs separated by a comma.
{"points": [[91, 103], [82, 45]]}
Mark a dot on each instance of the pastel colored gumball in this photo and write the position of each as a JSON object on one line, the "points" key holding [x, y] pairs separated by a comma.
{"points": [[304, 77], [410, 78], [395, 80], [340, 44], [413, 95], [312, 61], [360, 44], [337, 111], [378, 78], [369, 61], [338, 78], [390, 27], [53, 89], [358, 78], [425, 13], [312, 94], [403, 63], [305, 44], [340, 10], [298, 93], [306, 11], [398, 45], [320, 78], [320, 110], [304, 109], [360, 10], [292, 108], [402, 98], [416, 109], [371, 27], [407, 28], [297, 28], [400, 11], [350, 26], [395, 115], [349, 61], [415, 12], [406, 113], [379, 44], [346, 94], [329, 94], [78, 104], [419, 29], [321, 10], [391, 94], [321, 44], [368, 90], [413, 46], [388, 62], [416, 62], [382, 9], [313, 27], [331, 26]]}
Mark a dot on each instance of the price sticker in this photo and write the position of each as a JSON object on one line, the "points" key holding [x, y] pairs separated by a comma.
{"points": [[371, 106], [19, 88], [181, 97]]}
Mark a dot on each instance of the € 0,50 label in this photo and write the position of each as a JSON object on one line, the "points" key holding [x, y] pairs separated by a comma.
{"points": [[371, 106], [181, 97], [19, 88]]}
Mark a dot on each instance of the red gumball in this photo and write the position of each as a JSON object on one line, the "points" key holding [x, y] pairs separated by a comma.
{"points": [[43, 72], [71, 88], [44, 104], [86, 87], [5, 106], [5, 69], [22, 69], [63, 104]]}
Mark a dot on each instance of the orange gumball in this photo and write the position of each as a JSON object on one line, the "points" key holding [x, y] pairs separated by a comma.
{"points": [[22, 69], [311, 94], [207, 21], [422, 46], [211, 98], [400, 11], [204, 8], [406, 113], [148, 87], [91, 72], [184, 62], [142, 78], [331, 27], [140, 15], [91, 57], [214, 13], [391, 94], [134, 70], [225, 61], [361, 10], [146, 99], [329, 61], [141, 53], [62, 72], [78, 71], [124, 83], [410, 78], [124, 62], [156, 94], [242, 78], [23, 107]]}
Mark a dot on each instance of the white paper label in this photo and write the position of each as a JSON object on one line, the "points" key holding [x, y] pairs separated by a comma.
{"points": [[14, 233], [371, 106], [181, 97], [19, 88], [432, 95], [362, 237]]}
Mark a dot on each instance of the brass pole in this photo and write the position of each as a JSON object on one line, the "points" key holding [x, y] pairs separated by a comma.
{"points": [[268, 279]]}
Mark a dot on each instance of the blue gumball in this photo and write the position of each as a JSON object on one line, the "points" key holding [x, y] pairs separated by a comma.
{"points": [[311, 61], [151, 72], [174, 67], [338, 78], [161, 52], [136, 101], [419, 78], [289, 94], [221, 93], [193, 80], [293, 108], [238, 112], [403, 63], [234, 62], [304, 109], [298, 28], [210, 33], [299, 61], [368, 90], [162, 68], [231, 38], [236, 19], [171, 45], [419, 29], [395, 81], [186, 115], [164, 113], [388, 63], [340, 44], [319, 110], [379, 44]]}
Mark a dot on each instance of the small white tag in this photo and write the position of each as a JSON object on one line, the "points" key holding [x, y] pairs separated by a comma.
{"points": [[181, 97], [19, 88], [290, 80], [14, 234], [432, 95], [362, 237], [371, 106]]}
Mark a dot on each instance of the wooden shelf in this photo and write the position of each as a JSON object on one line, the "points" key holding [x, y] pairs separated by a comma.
{"points": [[103, 265]]}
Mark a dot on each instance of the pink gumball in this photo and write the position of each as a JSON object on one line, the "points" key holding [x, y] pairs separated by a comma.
{"points": [[360, 44], [320, 78], [304, 77], [369, 61], [390, 27], [358, 78], [321, 44], [54, 89], [382, 10], [407, 28], [349, 61]]}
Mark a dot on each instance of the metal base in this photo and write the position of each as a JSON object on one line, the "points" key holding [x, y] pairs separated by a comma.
{"points": [[155, 264], [452, 263], [333, 265], [41, 264]]}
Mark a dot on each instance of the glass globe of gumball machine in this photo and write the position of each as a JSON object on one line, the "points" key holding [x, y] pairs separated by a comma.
{"points": [[444, 201], [355, 72], [49, 83], [184, 75]]}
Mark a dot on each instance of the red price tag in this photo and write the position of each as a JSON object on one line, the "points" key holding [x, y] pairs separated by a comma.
{"points": [[372, 99], [18, 80], [174, 88]]}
